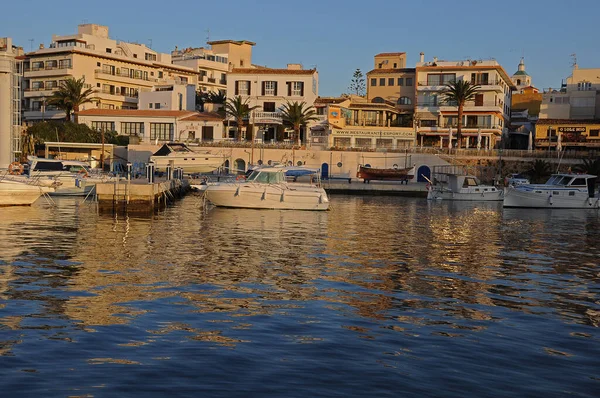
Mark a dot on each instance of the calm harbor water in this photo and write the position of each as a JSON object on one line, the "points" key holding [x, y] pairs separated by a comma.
{"points": [[380, 297]]}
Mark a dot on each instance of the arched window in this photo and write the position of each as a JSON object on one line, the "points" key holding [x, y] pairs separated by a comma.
{"points": [[404, 101], [378, 100], [518, 82]]}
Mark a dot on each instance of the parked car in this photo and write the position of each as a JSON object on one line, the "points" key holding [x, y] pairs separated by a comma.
{"points": [[515, 179]]}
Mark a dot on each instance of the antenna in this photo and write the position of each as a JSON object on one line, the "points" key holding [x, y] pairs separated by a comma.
{"points": [[574, 63], [149, 43], [207, 35], [31, 44]]}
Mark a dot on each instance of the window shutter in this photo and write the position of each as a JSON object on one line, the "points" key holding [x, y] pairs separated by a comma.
{"points": [[249, 87], [263, 88], [237, 88], [302, 89], [275, 88], [289, 85]]}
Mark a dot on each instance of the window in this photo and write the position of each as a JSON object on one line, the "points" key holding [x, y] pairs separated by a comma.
{"points": [[297, 89], [64, 63], [438, 79], [401, 81], [160, 75], [98, 64], [378, 100], [269, 88], [132, 128], [269, 107], [395, 65], [409, 81], [578, 182], [390, 81], [243, 87], [481, 78], [161, 131], [150, 105], [150, 57], [373, 82], [157, 105], [404, 101], [103, 126], [382, 81], [594, 133], [109, 50]]}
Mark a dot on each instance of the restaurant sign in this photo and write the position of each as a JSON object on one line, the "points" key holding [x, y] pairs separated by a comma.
{"points": [[571, 129], [409, 133]]}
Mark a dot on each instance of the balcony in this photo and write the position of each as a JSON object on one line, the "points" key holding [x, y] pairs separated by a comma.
{"points": [[266, 117], [60, 70], [124, 78], [33, 92], [116, 95], [488, 85], [212, 80]]}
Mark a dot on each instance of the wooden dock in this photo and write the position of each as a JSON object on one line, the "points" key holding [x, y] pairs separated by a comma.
{"points": [[357, 187], [139, 196]]}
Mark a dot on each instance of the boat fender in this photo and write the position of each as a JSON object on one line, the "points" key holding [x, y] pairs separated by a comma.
{"points": [[237, 192], [550, 199], [282, 197], [16, 168], [264, 195], [240, 177]]}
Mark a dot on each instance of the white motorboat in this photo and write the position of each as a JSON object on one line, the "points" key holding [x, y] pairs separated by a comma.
{"points": [[561, 191], [73, 178], [18, 193], [462, 187], [267, 188], [184, 157]]}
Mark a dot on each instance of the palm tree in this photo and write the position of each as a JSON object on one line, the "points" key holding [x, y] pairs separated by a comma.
{"points": [[297, 115], [539, 170], [217, 97], [70, 96], [239, 110], [457, 93], [589, 166]]}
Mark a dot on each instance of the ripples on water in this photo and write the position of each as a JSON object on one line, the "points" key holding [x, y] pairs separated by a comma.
{"points": [[378, 297]]}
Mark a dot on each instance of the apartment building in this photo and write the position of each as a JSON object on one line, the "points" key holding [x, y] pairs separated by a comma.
{"points": [[10, 102], [391, 82], [156, 126], [270, 89], [484, 119], [353, 122], [172, 96], [116, 70], [215, 62], [578, 98]]}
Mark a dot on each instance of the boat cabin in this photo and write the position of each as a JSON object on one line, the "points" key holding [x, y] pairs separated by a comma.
{"points": [[456, 183], [43, 165], [267, 176], [584, 181]]}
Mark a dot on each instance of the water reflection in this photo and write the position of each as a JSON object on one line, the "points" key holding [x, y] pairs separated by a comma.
{"points": [[376, 268]]}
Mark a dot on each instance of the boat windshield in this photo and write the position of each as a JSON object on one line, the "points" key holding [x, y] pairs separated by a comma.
{"points": [[265, 177], [558, 180]]}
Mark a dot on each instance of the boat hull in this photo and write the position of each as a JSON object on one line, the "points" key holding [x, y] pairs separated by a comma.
{"points": [[485, 196], [369, 173], [252, 196], [18, 194], [549, 199], [198, 164]]}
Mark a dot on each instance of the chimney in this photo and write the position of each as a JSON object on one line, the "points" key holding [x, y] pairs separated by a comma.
{"points": [[434, 60], [422, 57], [41, 46]]}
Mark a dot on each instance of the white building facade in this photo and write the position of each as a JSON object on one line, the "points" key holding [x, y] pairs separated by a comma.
{"points": [[156, 126], [171, 96], [270, 89], [485, 119], [10, 103]]}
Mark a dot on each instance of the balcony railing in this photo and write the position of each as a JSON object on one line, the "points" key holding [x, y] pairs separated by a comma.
{"points": [[483, 83], [212, 80], [51, 67], [126, 75], [223, 81]]}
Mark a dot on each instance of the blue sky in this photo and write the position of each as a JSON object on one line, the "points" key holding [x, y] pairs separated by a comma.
{"points": [[338, 36]]}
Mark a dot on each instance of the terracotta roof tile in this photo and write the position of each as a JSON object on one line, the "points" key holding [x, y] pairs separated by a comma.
{"points": [[568, 121], [390, 71], [389, 54], [135, 112], [269, 71], [201, 116]]}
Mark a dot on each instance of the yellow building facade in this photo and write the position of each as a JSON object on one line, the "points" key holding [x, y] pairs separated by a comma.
{"points": [[567, 134]]}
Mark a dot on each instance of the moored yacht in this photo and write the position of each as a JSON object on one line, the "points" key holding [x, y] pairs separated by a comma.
{"points": [[462, 187], [18, 193], [267, 188], [561, 191], [183, 156]]}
